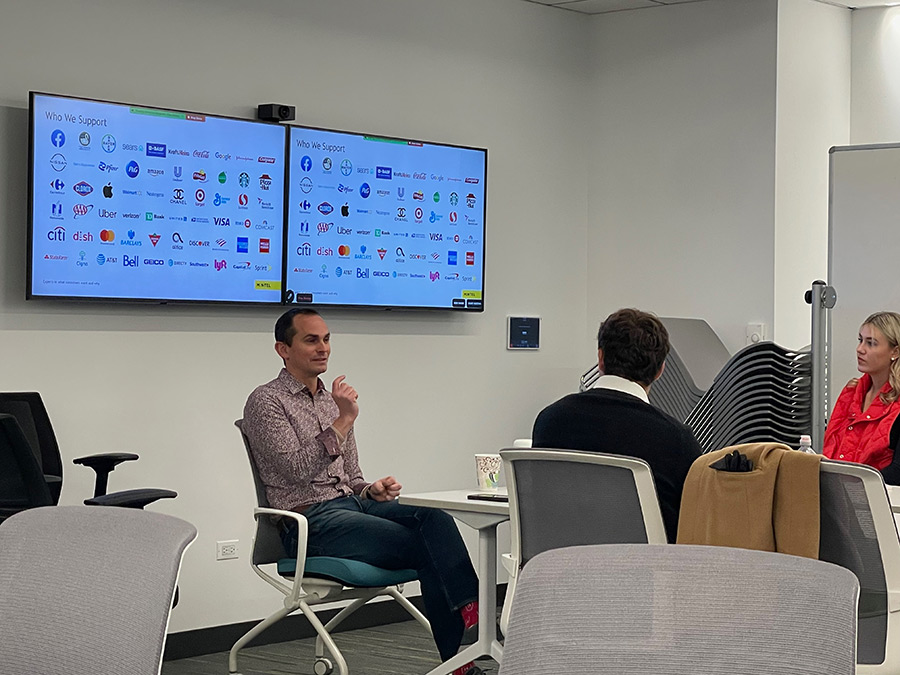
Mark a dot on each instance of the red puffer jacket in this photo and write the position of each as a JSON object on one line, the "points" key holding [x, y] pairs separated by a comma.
{"points": [[854, 435]]}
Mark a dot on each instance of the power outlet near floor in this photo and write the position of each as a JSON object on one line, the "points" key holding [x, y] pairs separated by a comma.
{"points": [[227, 550]]}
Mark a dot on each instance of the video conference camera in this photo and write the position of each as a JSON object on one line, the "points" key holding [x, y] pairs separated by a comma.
{"points": [[276, 112]]}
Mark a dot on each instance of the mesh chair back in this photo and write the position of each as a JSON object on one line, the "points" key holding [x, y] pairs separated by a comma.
{"points": [[854, 507], [564, 498], [267, 544], [22, 484], [28, 408], [680, 610], [87, 590]]}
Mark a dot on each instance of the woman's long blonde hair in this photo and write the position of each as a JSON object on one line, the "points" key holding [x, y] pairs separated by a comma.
{"points": [[889, 325]]}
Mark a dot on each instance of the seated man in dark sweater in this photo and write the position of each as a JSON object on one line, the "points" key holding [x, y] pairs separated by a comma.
{"points": [[615, 416]]}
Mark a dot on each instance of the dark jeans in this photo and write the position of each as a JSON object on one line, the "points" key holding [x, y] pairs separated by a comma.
{"points": [[394, 536]]}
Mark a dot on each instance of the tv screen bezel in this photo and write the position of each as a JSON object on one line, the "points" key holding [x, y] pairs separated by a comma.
{"points": [[402, 308], [29, 280]]}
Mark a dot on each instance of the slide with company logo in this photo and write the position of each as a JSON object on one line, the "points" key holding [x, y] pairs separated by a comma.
{"points": [[132, 202], [384, 222]]}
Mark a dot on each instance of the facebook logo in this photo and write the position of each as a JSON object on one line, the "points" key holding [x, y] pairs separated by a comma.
{"points": [[58, 138], [306, 163]]}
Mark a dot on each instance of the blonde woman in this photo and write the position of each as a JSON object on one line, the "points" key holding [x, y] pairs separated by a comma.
{"points": [[862, 426]]}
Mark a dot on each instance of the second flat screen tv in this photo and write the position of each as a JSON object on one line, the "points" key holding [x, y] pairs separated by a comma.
{"points": [[137, 203], [384, 222]]}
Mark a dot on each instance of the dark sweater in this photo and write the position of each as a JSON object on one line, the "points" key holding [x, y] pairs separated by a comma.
{"points": [[604, 420]]}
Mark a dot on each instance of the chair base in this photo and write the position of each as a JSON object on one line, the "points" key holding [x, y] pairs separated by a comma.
{"points": [[319, 591]]}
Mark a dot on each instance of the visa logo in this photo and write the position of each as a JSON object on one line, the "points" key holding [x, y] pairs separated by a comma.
{"points": [[436, 237], [223, 222]]}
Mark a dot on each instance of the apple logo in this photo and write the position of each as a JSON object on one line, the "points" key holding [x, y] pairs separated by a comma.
{"points": [[345, 210], [107, 190]]}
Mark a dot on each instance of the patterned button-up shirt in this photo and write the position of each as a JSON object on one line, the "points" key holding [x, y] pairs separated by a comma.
{"points": [[300, 458]]}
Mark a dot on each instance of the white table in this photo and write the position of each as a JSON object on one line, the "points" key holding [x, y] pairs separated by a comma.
{"points": [[483, 516]]}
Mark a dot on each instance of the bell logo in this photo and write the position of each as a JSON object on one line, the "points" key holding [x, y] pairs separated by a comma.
{"points": [[220, 265]]}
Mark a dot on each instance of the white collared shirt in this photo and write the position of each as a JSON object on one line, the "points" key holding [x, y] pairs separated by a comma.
{"points": [[617, 383]]}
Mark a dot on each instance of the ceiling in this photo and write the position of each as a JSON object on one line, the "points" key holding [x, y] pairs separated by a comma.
{"points": [[603, 6]]}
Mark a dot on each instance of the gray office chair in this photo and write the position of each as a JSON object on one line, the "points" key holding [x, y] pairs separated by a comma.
{"points": [[86, 590], [680, 610], [858, 532], [560, 498], [320, 579]]}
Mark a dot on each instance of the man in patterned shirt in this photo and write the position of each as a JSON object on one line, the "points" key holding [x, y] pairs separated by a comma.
{"points": [[302, 440]]}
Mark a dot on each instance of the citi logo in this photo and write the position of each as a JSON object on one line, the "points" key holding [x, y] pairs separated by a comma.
{"points": [[304, 249], [220, 265]]}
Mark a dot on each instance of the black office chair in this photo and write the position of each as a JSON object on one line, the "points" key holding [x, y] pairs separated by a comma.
{"points": [[34, 427], [22, 484]]}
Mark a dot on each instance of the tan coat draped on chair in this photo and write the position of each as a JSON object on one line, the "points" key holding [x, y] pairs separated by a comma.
{"points": [[774, 507]]}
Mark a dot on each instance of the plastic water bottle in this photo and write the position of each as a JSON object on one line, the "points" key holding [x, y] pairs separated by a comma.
{"points": [[806, 444]]}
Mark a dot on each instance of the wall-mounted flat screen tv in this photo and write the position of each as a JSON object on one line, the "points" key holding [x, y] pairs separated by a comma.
{"points": [[137, 203], [384, 222]]}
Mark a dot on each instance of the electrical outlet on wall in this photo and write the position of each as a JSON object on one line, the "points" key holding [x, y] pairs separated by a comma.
{"points": [[756, 333], [227, 550]]}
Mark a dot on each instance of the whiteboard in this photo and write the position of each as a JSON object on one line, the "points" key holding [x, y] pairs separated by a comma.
{"points": [[863, 247]]}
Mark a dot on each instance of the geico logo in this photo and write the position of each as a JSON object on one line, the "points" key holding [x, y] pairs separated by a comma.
{"points": [[195, 242], [380, 274], [154, 261]]}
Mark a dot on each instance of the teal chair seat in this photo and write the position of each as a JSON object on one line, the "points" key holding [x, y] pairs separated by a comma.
{"points": [[347, 572]]}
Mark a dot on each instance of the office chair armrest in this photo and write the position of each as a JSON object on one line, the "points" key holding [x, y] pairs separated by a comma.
{"points": [[103, 464], [132, 499], [510, 564], [296, 591]]}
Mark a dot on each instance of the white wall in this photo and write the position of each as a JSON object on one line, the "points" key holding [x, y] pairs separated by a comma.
{"points": [[167, 382], [813, 114], [682, 163], [875, 74]]}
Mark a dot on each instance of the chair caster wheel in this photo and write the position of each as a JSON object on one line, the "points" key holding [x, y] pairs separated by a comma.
{"points": [[323, 666]]}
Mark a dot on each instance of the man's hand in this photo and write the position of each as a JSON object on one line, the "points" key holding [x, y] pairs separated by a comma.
{"points": [[348, 409], [385, 489]]}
